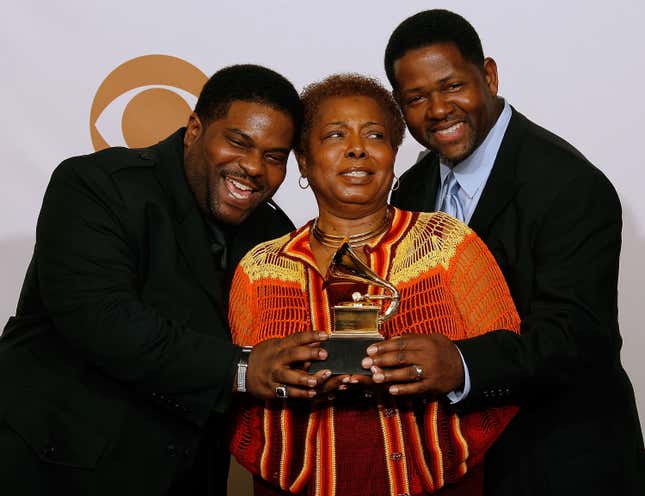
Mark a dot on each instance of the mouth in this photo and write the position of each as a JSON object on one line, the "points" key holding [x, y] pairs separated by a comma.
{"points": [[357, 177], [447, 134], [356, 173], [238, 189]]}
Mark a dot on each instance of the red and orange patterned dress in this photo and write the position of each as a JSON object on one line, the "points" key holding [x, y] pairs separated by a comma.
{"points": [[449, 283]]}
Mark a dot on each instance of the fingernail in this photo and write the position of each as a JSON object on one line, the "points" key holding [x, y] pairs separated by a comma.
{"points": [[326, 374], [311, 393], [378, 377], [322, 335], [345, 380], [394, 390], [342, 387], [311, 382], [371, 350], [322, 354], [366, 363], [354, 381]]}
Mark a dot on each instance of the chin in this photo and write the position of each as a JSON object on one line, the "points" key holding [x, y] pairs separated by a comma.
{"points": [[455, 155], [230, 217]]}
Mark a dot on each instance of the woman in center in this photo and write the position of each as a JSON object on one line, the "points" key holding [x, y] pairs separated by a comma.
{"points": [[364, 438]]}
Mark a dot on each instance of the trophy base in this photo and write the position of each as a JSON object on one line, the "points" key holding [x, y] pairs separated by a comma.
{"points": [[344, 356]]}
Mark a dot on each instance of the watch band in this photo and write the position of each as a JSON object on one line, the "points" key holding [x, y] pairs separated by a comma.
{"points": [[242, 365]]}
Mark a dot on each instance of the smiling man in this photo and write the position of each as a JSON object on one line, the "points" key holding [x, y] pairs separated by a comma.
{"points": [[553, 223], [117, 371]]}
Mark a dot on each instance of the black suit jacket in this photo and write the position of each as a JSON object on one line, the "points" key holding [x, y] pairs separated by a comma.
{"points": [[553, 222], [118, 364]]}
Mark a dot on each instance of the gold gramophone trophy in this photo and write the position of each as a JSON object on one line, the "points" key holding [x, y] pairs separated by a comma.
{"points": [[356, 323]]}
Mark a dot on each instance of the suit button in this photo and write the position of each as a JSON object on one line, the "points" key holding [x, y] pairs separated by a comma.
{"points": [[172, 449], [48, 451], [188, 453]]}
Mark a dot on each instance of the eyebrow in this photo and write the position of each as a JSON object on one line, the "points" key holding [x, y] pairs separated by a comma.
{"points": [[342, 123], [443, 80], [250, 140], [240, 133]]}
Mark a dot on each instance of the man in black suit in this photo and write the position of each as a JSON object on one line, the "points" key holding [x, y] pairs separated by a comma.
{"points": [[117, 371], [553, 223]]}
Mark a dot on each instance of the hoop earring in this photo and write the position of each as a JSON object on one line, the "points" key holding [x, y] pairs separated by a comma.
{"points": [[300, 182], [397, 183]]}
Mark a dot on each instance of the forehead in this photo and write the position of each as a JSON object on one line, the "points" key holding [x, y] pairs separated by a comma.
{"points": [[430, 64], [257, 120], [349, 109]]}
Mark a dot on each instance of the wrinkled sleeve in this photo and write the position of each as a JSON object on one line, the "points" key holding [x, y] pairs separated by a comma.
{"points": [[88, 277]]}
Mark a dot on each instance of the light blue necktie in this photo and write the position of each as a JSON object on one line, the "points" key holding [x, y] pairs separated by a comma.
{"points": [[450, 203]]}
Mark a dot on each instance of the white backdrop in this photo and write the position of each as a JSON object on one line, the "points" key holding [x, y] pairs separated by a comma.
{"points": [[574, 67]]}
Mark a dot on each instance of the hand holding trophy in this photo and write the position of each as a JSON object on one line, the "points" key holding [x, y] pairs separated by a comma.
{"points": [[356, 323]]}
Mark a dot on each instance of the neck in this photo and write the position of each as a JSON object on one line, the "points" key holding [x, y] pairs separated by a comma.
{"points": [[330, 230]]}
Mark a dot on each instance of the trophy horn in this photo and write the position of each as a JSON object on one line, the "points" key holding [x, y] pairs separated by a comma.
{"points": [[347, 267]]}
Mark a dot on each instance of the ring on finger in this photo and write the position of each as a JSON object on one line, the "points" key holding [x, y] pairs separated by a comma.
{"points": [[281, 391], [419, 372]]}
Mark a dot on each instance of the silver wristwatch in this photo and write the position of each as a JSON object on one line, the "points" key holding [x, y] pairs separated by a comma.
{"points": [[241, 369]]}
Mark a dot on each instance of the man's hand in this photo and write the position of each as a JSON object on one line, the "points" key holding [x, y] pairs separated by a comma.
{"points": [[416, 364], [279, 362]]}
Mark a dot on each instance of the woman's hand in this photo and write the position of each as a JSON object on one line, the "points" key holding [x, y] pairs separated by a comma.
{"points": [[416, 364], [278, 363]]}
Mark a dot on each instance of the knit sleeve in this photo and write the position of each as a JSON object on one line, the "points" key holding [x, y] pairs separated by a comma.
{"points": [[479, 290], [242, 309], [454, 443], [484, 304]]}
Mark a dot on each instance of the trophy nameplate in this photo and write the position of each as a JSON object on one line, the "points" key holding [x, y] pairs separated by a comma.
{"points": [[356, 323]]}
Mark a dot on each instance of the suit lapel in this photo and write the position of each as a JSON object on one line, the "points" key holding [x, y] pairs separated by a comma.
{"points": [[421, 194], [190, 230], [502, 182], [432, 181]]}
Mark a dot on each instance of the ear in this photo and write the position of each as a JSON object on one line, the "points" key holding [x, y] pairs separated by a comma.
{"points": [[194, 129], [302, 162], [490, 75]]}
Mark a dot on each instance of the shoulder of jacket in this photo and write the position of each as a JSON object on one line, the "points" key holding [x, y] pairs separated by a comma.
{"points": [[109, 161], [553, 158]]}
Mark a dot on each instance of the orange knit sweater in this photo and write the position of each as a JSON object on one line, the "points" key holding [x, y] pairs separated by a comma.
{"points": [[450, 284]]}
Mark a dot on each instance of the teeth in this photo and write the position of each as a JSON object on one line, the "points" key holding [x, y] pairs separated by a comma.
{"points": [[356, 173], [237, 196], [450, 130], [238, 190], [239, 185]]}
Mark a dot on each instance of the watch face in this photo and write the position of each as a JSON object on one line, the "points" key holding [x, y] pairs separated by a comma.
{"points": [[241, 369]]}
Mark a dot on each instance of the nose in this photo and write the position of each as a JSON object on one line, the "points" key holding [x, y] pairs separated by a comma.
{"points": [[356, 148], [252, 164], [438, 108]]}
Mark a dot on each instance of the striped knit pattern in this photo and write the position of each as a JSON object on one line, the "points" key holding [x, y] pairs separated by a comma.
{"points": [[449, 283]]}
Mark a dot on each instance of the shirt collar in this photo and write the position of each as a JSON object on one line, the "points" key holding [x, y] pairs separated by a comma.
{"points": [[472, 172]]}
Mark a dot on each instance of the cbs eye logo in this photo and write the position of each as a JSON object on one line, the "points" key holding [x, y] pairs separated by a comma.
{"points": [[143, 101]]}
